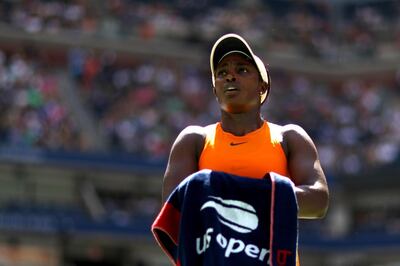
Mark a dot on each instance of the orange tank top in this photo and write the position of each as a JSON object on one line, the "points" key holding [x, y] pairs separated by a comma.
{"points": [[252, 155]]}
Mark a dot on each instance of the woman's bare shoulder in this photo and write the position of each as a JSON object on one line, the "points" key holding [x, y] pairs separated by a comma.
{"points": [[193, 132], [193, 136]]}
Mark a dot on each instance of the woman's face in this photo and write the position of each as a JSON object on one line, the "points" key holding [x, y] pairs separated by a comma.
{"points": [[237, 84]]}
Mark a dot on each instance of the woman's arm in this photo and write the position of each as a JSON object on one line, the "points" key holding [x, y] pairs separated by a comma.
{"points": [[305, 170], [183, 158]]}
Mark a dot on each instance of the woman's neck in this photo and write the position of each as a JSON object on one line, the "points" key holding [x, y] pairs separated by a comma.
{"points": [[241, 124]]}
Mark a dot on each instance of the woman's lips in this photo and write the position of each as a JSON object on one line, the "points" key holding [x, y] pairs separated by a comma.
{"points": [[231, 88]]}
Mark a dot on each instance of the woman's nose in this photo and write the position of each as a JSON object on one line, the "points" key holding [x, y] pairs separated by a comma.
{"points": [[230, 77]]}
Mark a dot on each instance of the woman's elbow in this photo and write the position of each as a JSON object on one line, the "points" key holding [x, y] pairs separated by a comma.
{"points": [[323, 205]]}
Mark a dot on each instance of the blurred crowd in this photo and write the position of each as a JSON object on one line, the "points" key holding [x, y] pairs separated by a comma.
{"points": [[353, 121], [330, 31], [142, 107], [31, 111]]}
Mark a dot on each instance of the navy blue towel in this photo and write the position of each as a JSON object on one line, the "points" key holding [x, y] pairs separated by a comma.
{"points": [[215, 218]]}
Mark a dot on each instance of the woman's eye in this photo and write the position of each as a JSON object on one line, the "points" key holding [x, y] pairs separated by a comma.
{"points": [[243, 70], [221, 73]]}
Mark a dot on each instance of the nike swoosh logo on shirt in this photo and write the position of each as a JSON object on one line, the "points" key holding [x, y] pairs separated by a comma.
{"points": [[237, 143]]}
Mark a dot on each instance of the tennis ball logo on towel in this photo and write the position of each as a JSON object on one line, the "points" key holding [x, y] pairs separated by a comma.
{"points": [[235, 214], [240, 217]]}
